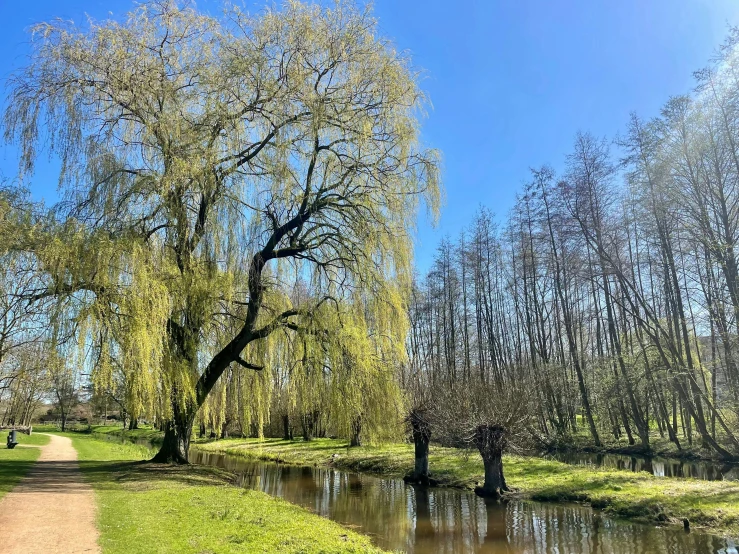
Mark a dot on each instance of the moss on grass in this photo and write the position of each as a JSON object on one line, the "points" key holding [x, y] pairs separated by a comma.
{"points": [[151, 508], [639, 496]]}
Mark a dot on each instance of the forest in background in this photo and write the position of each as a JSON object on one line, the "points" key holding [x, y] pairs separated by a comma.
{"points": [[612, 287]]}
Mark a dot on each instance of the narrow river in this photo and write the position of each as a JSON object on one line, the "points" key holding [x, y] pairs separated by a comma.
{"points": [[447, 521]]}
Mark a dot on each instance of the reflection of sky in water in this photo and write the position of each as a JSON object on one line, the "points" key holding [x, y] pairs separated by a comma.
{"points": [[446, 521]]}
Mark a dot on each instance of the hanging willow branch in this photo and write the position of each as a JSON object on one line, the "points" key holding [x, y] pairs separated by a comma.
{"points": [[208, 165]]}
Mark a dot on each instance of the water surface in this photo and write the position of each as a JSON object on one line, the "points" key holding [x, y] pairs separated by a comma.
{"points": [[659, 467], [446, 521]]}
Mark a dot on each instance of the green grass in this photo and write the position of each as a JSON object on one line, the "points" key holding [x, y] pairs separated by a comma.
{"points": [[150, 508], [144, 433], [45, 428], [15, 463], [640, 496], [658, 445]]}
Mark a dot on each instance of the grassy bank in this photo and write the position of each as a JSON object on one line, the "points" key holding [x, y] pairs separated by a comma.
{"points": [[144, 433], [15, 463], [713, 505], [148, 508], [658, 446]]}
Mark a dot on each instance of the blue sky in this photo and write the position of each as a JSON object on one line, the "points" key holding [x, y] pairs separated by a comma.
{"points": [[511, 81]]}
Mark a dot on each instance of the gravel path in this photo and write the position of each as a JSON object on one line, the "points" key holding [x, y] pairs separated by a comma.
{"points": [[52, 510]]}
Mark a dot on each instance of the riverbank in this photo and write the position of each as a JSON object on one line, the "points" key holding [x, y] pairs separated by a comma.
{"points": [[712, 505], [145, 508], [16, 462], [659, 447]]}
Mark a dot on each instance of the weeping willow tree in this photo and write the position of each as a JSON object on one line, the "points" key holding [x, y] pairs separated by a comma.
{"points": [[344, 386], [208, 165]]}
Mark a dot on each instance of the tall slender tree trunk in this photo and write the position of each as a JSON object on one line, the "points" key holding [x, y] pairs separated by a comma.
{"points": [[569, 330], [287, 432]]}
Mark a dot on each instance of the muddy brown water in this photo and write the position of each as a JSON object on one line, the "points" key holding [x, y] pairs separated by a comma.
{"points": [[405, 518]]}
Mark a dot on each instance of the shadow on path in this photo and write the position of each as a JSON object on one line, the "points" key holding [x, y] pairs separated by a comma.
{"points": [[52, 509]]}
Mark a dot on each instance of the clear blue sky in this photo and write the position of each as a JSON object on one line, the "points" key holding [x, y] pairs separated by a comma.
{"points": [[511, 81]]}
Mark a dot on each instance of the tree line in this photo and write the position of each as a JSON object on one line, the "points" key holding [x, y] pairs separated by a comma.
{"points": [[611, 287]]}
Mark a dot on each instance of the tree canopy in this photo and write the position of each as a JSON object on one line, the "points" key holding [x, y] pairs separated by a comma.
{"points": [[239, 193]]}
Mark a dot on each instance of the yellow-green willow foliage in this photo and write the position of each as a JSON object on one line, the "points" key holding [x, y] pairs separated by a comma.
{"points": [[210, 164], [240, 400], [355, 375], [137, 349], [352, 375]]}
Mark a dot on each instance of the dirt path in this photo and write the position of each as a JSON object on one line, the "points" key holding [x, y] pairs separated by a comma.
{"points": [[52, 510]]}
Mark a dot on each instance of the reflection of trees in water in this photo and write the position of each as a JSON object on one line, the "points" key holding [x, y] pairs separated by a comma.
{"points": [[497, 530], [379, 506], [449, 522], [648, 466], [354, 483], [446, 521], [307, 479], [548, 528], [420, 520], [423, 532], [661, 467]]}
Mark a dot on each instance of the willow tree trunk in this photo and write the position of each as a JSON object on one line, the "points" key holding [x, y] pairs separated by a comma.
{"points": [[184, 340], [356, 432], [287, 430], [491, 440], [421, 467], [177, 433], [421, 438], [307, 423]]}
